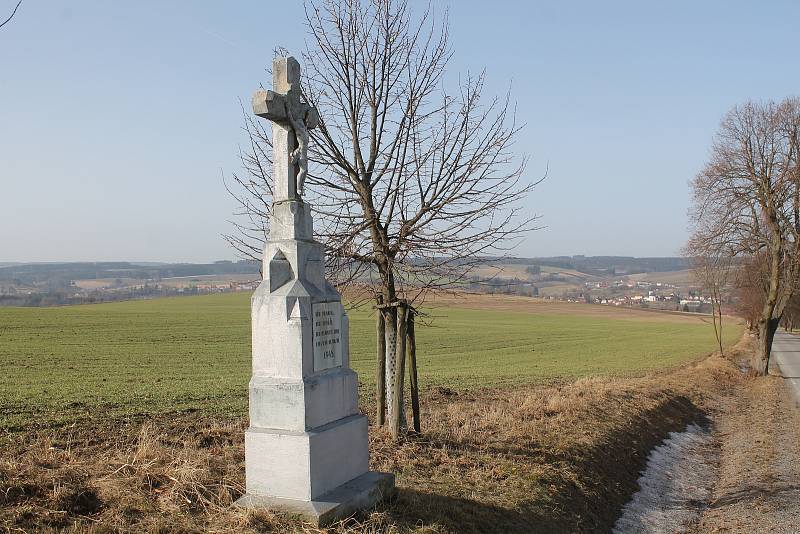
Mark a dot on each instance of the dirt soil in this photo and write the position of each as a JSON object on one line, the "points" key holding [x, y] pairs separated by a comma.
{"points": [[759, 485]]}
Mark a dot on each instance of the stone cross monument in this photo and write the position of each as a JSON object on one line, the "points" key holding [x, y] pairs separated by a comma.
{"points": [[306, 449]]}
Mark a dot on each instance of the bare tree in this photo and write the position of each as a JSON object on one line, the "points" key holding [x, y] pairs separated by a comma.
{"points": [[747, 202], [711, 269], [413, 185], [11, 16]]}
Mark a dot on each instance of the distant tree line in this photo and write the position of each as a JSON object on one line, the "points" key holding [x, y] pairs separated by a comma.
{"points": [[501, 286], [605, 265], [38, 273], [63, 298]]}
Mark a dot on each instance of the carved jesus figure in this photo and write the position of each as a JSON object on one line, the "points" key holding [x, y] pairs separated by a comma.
{"points": [[300, 154]]}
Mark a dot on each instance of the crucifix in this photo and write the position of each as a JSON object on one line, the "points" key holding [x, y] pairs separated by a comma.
{"points": [[306, 449], [291, 120]]}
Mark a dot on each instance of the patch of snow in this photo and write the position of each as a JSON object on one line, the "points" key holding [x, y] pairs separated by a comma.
{"points": [[675, 486]]}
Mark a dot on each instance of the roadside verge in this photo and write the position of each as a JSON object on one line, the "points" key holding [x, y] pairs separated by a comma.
{"points": [[557, 458], [759, 485]]}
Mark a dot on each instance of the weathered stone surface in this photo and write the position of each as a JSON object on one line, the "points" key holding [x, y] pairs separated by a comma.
{"points": [[304, 404], [285, 74], [290, 220], [311, 463], [269, 105]]}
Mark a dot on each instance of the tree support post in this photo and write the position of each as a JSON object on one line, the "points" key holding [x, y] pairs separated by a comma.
{"points": [[400, 353], [412, 371]]}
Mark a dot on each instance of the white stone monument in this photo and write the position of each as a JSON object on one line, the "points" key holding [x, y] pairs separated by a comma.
{"points": [[306, 450]]}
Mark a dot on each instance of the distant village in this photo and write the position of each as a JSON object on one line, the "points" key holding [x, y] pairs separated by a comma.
{"points": [[630, 286], [658, 295]]}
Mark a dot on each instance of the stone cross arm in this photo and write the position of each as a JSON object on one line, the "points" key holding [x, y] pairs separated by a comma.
{"points": [[273, 106], [283, 103]]}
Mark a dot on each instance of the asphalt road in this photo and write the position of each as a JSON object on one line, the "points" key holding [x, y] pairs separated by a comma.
{"points": [[786, 354]]}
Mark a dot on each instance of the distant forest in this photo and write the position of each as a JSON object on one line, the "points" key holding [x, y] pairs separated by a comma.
{"points": [[606, 265]]}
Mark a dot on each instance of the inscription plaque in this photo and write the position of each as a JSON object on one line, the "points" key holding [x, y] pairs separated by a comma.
{"points": [[327, 335]]}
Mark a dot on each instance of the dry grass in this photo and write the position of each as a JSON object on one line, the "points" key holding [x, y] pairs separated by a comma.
{"points": [[110, 479], [534, 459]]}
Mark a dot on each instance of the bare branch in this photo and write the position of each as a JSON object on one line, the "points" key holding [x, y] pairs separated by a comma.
{"points": [[11, 16]]}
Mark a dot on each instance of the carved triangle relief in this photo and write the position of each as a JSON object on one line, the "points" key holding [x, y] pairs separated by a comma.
{"points": [[280, 271]]}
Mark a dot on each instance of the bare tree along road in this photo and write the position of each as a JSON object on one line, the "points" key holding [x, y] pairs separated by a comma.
{"points": [[786, 354]]}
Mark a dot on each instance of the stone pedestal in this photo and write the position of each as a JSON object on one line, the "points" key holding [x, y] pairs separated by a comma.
{"points": [[306, 449]]}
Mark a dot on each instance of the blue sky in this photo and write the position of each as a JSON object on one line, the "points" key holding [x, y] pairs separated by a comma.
{"points": [[118, 118]]}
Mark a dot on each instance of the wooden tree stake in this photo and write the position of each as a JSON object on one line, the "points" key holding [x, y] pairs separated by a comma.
{"points": [[412, 371]]}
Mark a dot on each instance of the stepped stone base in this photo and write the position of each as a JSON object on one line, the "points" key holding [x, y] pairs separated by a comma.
{"points": [[305, 465], [360, 493]]}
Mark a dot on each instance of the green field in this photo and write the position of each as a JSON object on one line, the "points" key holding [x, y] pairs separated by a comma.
{"points": [[156, 356]]}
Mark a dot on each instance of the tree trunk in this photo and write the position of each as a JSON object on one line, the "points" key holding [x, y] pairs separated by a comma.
{"points": [[716, 311], [390, 322], [396, 417], [766, 333], [380, 382], [714, 322], [767, 323], [412, 372], [719, 322]]}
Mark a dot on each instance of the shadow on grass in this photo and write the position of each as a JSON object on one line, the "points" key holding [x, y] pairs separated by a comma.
{"points": [[411, 509]]}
